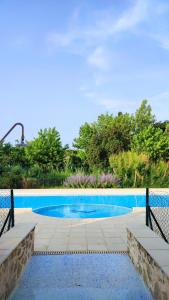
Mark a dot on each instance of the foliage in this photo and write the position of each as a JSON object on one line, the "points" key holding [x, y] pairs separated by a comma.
{"points": [[85, 134], [72, 160], [109, 134], [136, 170], [46, 150], [123, 150], [152, 141], [92, 181], [130, 167], [143, 117], [80, 181], [162, 125]]}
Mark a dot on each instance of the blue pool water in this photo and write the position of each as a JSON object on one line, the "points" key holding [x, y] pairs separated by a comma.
{"points": [[83, 211], [34, 202], [85, 206]]}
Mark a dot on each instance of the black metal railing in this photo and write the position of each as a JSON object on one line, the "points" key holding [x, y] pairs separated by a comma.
{"points": [[157, 212], [6, 210]]}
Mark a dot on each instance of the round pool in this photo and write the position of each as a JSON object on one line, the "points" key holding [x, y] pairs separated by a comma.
{"points": [[83, 211]]}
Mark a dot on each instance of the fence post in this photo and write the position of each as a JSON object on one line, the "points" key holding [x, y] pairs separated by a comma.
{"points": [[12, 209], [147, 206]]}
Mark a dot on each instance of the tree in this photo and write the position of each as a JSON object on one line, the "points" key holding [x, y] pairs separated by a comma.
{"points": [[109, 134], [143, 117], [72, 160], [162, 125], [85, 134], [46, 150], [152, 141]]}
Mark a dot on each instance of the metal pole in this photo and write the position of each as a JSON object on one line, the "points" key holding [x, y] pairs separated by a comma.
{"points": [[9, 131], [147, 206], [12, 209]]}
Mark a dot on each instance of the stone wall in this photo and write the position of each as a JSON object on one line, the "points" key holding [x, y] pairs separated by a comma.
{"points": [[150, 255], [16, 247]]}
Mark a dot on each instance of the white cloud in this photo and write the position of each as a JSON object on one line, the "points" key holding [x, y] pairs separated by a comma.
{"points": [[99, 59], [102, 28], [163, 41], [114, 104], [135, 15], [110, 103]]}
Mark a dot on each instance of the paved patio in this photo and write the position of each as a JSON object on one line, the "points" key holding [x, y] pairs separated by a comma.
{"points": [[54, 234]]}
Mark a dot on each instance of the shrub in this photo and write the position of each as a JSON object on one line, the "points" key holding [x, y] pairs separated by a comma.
{"points": [[80, 181], [136, 170], [130, 167], [108, 181], [91, 181]]}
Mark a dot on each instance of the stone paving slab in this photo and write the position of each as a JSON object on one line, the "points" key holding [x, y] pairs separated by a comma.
{"points": [[54, 234]]}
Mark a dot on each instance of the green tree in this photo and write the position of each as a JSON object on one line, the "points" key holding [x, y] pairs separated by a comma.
{"points": [[46, 150], [162, 125], [85, 134], [109, 134], [72, 160], [5, 156], [152, 141], [143, 117]]}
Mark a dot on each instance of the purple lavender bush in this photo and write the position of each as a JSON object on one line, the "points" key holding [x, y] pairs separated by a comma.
{"points": [[80, 181], [108, 181], [91, 181]]}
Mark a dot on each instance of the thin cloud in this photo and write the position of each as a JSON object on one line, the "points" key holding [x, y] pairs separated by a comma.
{"points": [[100, 29], [110, 103], [135, 15], [160, 97], [99, 59]]}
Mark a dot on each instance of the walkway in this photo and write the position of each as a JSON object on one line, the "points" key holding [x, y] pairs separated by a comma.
{"points": [[54, 234]]}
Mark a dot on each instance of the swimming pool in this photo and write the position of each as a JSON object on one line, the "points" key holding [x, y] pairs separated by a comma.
{"points": [[81, 206]]}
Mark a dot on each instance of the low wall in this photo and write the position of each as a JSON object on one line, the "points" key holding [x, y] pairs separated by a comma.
{"points": [[16, 247], [150, 255]]}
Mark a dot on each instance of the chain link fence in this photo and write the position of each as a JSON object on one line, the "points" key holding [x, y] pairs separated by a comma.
{"points": [[158, 212], [6, 210]]}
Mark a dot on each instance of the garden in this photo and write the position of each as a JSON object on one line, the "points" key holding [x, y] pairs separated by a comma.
{"points": [[123, 150]]}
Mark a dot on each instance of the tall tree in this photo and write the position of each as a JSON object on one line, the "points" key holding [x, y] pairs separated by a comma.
{"points": [[109, 134], [46, 150], [143, 117]]}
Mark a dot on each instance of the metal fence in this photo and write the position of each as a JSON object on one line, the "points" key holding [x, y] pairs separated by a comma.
{"points": [[6, 210], [157, 212]]}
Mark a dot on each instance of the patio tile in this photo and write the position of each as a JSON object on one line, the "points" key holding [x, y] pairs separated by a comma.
{"points": [[160, 256], [154, 243], [77, 241], [76, 247], [116, 247], [40, 247], [57, 248], [59, 239], [112, 233], [92, 232], [113, 240], [95, 240], [97, 247]]}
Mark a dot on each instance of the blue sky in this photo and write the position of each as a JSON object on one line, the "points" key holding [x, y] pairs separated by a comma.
{"points": [[65, 62]]}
